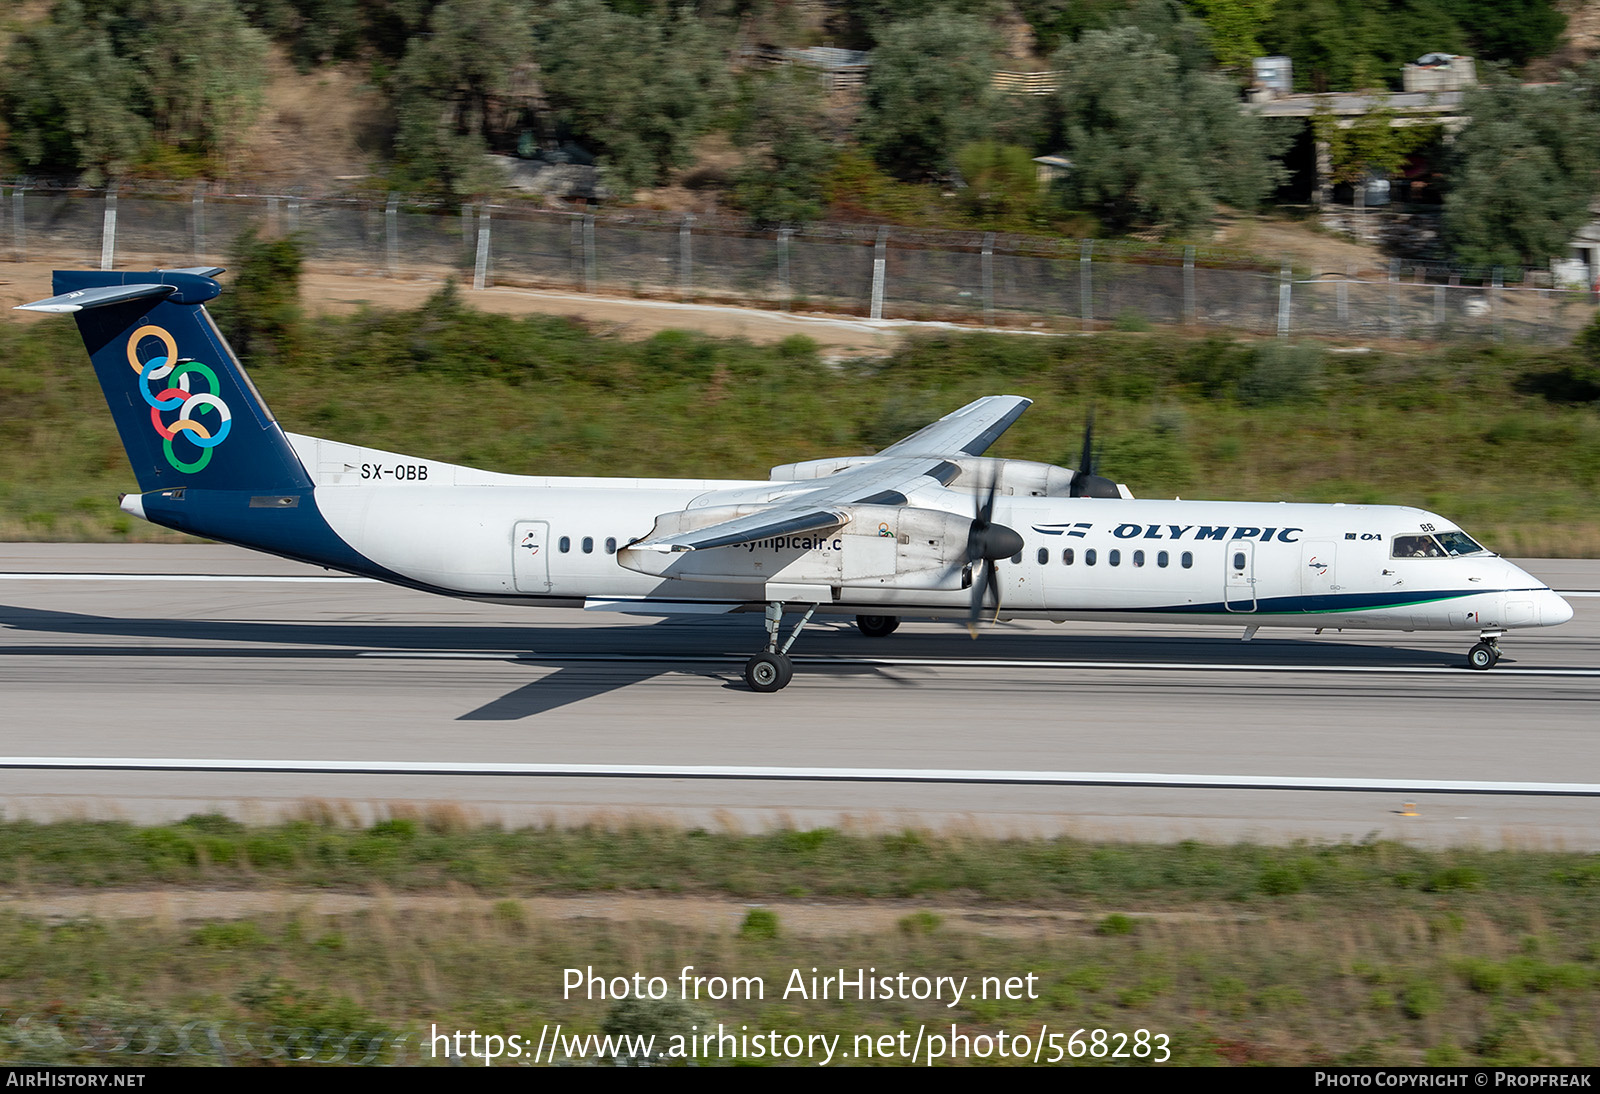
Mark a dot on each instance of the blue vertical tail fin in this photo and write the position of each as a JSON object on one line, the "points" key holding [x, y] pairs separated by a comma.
{"points": [[187, 412]]}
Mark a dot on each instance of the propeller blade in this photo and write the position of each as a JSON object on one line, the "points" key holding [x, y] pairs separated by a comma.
{"points": [[987, 542], [1085, 483]]}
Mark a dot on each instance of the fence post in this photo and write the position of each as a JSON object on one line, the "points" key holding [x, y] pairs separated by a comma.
{"points": [[1342, 308], [480, 269], [1285, 284], [108, 230], [197, 207], [1086, 284], [786, 294], [1189, 309], [19, 226], [988, 279], [1438, 305], [686, 257], [575, 253], [1394, 295], [880, 256], [391, 231], [469, 218], [1497, 282], [588, 252]]}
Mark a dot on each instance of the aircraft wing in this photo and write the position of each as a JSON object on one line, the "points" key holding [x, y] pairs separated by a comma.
{"points": [[791, 519], [817, 507], [825, 504], [965, 432]]}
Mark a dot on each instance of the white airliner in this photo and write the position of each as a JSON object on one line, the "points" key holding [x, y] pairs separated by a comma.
{"points": [[926, 528]]}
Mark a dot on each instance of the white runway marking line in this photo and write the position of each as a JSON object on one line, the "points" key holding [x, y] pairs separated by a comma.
{"points": [[963, 662], [799, 774], [185, 577]]}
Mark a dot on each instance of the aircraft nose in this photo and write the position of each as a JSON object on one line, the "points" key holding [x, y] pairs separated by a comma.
{"points": [[1553, 611]]}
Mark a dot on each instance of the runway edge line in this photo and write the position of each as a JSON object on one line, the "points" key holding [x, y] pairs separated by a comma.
{"points": [[797, 774]]}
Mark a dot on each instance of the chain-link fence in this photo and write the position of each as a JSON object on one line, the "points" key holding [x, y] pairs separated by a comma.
{"points": [[879, 273], [45, 1039]]}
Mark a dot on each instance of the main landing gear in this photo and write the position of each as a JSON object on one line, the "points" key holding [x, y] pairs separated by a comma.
{"points": [[772, 670], [878, 626], [1487, 651]]}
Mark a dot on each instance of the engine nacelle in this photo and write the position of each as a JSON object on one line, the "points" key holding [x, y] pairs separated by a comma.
{"points": [[880, 545]]}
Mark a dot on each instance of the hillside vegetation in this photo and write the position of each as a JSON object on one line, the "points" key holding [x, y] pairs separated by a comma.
{"points": [[1144, 101]]}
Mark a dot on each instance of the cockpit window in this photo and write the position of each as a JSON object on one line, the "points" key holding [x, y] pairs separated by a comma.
{"points": [[1459, 543], [1415, 547]]}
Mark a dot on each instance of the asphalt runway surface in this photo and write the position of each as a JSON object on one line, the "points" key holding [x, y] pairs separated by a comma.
{"points": [[360, 700]]}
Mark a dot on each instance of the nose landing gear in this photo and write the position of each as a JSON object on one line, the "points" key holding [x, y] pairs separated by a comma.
{"points": [[1486, 652]]}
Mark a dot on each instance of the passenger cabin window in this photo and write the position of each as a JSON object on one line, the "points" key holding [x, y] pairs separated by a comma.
{"points": [[1016, 559], [1116, 558], [611, 545], [588, 545], [1415, 547], [1044, 555], [1238, 560], [1188, 560], [1138, 558], [1066, 557], [565, 545], [1161, 559], [1090, 557]]}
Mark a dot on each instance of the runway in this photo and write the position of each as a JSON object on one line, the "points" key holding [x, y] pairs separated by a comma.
{"points": [[209, 656]]}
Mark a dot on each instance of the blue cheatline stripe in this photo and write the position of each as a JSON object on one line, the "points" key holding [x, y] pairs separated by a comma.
{"points": [[1328, 604]]}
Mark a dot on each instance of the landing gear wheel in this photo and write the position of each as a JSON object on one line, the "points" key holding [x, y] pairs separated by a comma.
{"points": [[878, 626], [767, 672], [1482, 656]]}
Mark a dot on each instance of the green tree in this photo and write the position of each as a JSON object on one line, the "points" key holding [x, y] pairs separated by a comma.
{"points": [[638, 90], [93, 85], [1236, 27], [1512, 30], [462, 88], [261, 310], [1002, 184], [782, 127], [929, 91], [67, 98], [1523, 172], [1153, 146], [1370, 144]]}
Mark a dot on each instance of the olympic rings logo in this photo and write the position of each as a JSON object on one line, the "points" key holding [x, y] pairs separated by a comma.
{"points": [[175, 394]]}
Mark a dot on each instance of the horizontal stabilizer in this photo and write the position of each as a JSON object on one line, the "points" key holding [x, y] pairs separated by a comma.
{"points": [[84, 299]]}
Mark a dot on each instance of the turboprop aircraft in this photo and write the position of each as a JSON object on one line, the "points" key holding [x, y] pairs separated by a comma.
{"points": [[928, 527]]}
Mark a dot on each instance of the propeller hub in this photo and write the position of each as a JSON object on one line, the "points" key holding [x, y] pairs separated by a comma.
{"points": [[992, 541]]}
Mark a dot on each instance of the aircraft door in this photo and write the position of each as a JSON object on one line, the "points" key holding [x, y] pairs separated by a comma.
{"points": [[1239, 587], [530, 556], [1317, 573]]}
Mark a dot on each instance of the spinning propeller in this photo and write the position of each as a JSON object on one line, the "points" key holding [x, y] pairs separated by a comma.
{"points": [[987, 542], [1085, 483]]}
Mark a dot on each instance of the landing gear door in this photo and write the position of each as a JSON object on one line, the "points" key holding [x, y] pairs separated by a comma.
{"points": [[530, 556], [1239, 589], [1317, 573]]}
